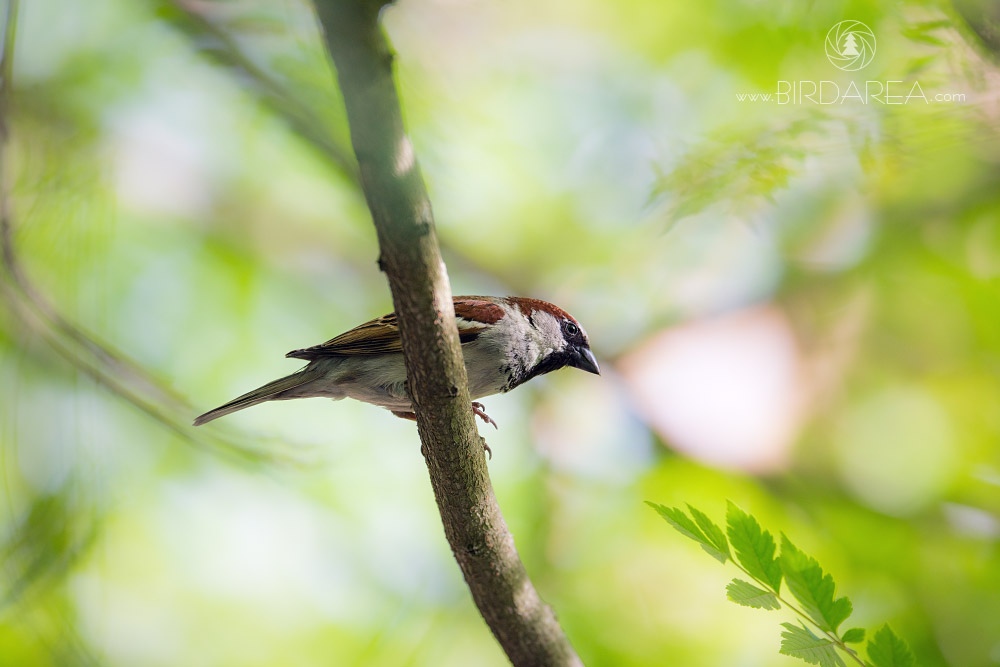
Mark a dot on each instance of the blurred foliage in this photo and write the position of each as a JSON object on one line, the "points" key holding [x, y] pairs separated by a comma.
{"points": [[797, 306]]}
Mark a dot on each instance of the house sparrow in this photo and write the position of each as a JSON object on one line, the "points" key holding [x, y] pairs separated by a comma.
{"points": [[506, 341]]}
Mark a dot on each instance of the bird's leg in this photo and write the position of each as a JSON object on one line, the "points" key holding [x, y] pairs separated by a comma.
{"points": [[412, 416], [479, 410]]}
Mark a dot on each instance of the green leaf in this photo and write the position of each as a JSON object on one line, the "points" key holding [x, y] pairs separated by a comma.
{"points": [[685, 526], [748, 595], [888, 650], [712, 531], [754, 547], [853, 636], [812, 588], [798, 642], [681, 521]]}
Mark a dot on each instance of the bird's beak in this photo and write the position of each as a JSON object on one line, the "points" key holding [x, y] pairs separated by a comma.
{"points": [[584, 360]]}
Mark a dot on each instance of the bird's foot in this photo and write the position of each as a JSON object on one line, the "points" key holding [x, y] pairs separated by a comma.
{"points": [[486, 448], [479, 410]]}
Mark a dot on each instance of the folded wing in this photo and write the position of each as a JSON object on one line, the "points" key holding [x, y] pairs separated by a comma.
{"points": [[381, 335]]}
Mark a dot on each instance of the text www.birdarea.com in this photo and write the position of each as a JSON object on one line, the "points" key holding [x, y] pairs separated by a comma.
{"points": [[829, 92]]}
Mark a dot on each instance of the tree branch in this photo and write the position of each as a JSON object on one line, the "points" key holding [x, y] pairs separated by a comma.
{"points": [[104, 364], [410, 256]]}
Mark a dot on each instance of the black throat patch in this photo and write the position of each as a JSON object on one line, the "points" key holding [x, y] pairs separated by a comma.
{"points": [[553, 362]]}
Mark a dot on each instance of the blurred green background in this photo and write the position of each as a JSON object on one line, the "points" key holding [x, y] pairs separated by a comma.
{"points": [[797, 307]]}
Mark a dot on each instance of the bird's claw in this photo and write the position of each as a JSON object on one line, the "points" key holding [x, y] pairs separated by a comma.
{"points": [[479, 410]]}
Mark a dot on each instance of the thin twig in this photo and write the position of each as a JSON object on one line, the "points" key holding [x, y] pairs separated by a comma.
{"points": [[303, 120], [111, 369], [192, 19]]}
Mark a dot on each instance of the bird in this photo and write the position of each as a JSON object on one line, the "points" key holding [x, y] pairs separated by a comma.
{"points": [[506, 341]]}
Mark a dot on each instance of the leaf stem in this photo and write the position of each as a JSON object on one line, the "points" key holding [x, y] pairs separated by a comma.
{"points": [[831, 636]]}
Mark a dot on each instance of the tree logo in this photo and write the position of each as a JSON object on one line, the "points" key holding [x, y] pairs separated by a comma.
{"points": [[850, 45]]}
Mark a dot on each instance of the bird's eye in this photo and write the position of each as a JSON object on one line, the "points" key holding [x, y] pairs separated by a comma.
{"points": [[572, 329]]}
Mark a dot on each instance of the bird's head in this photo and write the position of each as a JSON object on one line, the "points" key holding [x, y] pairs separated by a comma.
{"points": [[555, 339]]}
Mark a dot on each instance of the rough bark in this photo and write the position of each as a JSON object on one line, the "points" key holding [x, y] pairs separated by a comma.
{"points": [[523, 624]]}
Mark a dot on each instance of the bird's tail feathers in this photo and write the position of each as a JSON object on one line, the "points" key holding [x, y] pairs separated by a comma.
{"points": [[268, 392]]}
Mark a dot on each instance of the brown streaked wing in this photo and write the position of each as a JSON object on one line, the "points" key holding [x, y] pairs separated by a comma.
{"points": [[381, 335]]}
